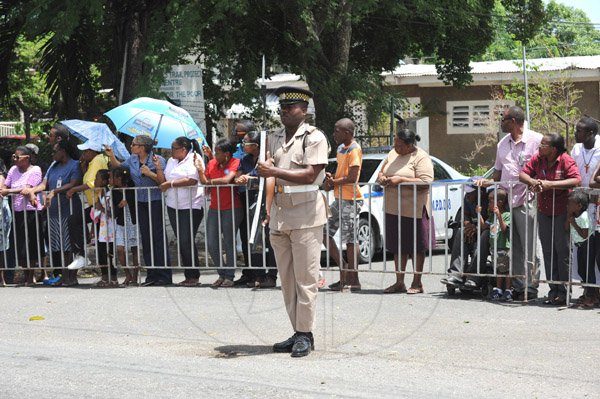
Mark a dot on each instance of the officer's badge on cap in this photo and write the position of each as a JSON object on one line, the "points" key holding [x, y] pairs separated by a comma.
{"points": [[293, 95]]}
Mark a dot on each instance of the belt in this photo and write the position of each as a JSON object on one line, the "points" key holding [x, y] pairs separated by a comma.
{"points": [[279, 189]]}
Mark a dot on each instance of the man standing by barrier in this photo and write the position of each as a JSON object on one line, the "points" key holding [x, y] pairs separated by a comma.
{"points": [[296, 159], [347, 204], [513, 152]]}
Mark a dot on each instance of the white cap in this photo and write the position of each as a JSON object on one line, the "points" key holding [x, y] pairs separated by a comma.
{"points": [[90, 145]]}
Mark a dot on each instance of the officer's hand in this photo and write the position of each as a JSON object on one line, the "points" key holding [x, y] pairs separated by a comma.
{"points": [[266, 220], [266, 169]]}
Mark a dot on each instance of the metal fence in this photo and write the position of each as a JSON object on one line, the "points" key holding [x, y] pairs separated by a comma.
{"points": [[462, 252]]}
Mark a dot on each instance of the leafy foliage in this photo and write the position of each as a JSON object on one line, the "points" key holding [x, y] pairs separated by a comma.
{"points": [[566, 31]]}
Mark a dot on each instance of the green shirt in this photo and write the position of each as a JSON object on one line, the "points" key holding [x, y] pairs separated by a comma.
{"points": [[583, 221], [503, 236]]}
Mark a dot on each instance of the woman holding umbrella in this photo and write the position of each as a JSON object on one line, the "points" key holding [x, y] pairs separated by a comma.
{"points": [[147, 173], [91, 161]]}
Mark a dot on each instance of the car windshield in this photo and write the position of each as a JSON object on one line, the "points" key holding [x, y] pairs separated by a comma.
{"points": [[369, 166]]}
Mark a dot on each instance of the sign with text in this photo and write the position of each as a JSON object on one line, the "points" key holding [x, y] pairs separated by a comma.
{"points": [[183, 85]]}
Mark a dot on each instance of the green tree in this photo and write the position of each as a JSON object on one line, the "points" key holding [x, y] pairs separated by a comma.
{"points": [[340, 47], [26, 85], [566, 31]]}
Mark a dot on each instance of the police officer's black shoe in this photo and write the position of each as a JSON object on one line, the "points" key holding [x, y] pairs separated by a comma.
{"points": [[303, 345], [287, 345]]}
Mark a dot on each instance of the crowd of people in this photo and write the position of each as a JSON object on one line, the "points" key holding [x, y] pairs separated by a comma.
{"points": [[47, 225], [546, 196]]}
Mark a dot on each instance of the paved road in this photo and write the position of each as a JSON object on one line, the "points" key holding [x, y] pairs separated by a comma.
{"points": [[189, 342]]}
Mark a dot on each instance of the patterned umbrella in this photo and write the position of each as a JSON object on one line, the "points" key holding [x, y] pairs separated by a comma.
{"points": [[98, 132], [159, 119]]}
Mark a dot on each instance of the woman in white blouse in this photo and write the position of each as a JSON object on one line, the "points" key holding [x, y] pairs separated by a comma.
{"points": [[185, 203]]}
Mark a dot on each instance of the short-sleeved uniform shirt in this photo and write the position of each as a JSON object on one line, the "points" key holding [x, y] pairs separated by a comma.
{"points": [[308, 146], [134, 166], [511, 156], [220, 198], [563, 168], [57, 175], [417, 164], [348, 156]]}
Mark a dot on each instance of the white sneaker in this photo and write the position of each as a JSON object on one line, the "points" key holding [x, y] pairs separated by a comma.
{"points": [[78, 263]]}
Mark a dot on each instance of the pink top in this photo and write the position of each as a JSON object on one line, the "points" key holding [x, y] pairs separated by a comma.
{"points": [[510, 159], [31, 178]]}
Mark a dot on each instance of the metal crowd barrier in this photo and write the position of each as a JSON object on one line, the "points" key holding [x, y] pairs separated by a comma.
{"points": [[371, 212]]}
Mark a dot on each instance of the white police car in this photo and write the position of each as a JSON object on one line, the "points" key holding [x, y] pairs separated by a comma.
{"points": [[444, 202]]}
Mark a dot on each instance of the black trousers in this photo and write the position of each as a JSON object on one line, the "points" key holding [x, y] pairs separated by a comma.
{"points": [[258, 267], [185, 223], [150, 222]]}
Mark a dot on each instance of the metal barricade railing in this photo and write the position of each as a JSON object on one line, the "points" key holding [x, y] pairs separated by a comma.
{"points": [[369, 235]]}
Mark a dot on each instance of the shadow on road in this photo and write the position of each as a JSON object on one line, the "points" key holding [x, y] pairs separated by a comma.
{"points": [[234, 351]]}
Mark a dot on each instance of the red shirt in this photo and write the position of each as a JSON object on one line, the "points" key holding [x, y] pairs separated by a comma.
{"points": [[222, 196], [564, 168]]}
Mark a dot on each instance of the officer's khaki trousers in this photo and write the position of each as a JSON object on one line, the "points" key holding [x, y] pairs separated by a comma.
{"points": [[298, 255]]}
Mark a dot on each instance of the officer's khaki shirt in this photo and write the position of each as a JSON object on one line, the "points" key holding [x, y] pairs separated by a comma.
{"points": [[298, 210]]}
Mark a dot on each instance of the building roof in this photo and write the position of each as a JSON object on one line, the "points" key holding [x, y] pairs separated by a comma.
{"points": [[588, 67]]}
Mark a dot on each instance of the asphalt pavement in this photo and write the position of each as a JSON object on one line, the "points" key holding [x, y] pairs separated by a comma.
{"points": [[175, 342]]}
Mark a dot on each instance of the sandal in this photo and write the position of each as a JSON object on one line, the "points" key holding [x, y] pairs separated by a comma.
{"points": [[227, 283], [395, 289], [188, 283], [102, 284], [218, 282], [415, 290]]}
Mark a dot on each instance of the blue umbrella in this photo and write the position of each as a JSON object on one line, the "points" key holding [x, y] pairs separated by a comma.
{"points": [[98, 132], [158, 119]]}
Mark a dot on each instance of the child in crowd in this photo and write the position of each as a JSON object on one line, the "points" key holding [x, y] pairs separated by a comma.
{"points": [[578, 224], [126, 235], [498, 224], [103, 216]]}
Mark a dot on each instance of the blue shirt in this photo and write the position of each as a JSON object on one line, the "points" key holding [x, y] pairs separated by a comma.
{"points": [[133, 164], [247, 167], [58, 175], [239, 151]]}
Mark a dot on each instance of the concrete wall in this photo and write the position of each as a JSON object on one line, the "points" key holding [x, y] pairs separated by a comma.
{"points": [[452, 148]]}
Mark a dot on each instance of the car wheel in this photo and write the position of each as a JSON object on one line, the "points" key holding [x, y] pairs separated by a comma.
{"points": [[366, 241]]}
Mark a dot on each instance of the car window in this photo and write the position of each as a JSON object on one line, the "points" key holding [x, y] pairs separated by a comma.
{"points": [[331, 166], [439, 173], [369, 166]]}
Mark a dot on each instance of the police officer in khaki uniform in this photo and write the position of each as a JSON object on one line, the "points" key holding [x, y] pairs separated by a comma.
{"points": [[296, 160]]}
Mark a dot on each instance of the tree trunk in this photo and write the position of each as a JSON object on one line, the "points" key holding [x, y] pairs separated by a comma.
{"points": [[26, 118], [136, 25], [331, 90]]}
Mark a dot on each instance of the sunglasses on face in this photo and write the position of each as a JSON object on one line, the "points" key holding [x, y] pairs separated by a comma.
{"points": [[16, 157]]}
